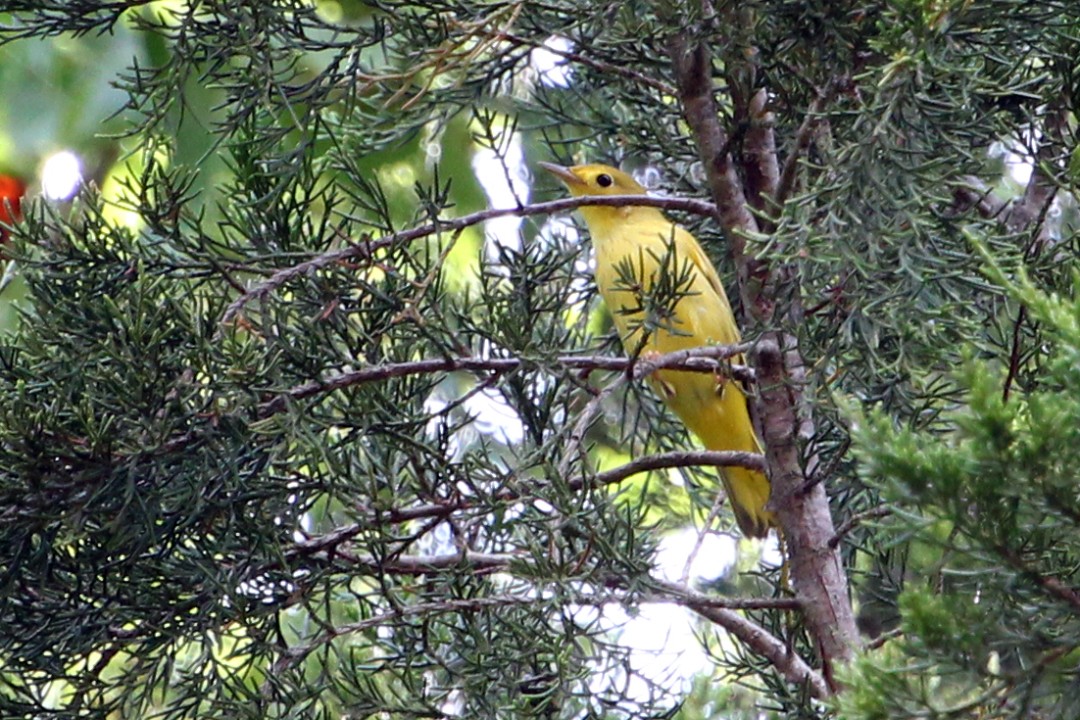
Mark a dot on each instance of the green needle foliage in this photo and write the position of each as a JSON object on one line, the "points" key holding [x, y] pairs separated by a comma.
{"points": [[990, 511], [286, 432]]}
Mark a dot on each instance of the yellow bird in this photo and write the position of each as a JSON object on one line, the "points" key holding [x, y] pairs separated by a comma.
{"points": [[642, 238]]}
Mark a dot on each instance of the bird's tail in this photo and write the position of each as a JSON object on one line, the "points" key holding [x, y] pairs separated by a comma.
{"points": [[719, 416], [728, 427], [748, 491]]}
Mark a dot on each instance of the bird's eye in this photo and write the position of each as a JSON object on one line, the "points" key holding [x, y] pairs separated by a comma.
{"points": [[604, 180]]}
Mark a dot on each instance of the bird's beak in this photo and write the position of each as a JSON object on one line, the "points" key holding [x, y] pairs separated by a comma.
{"points": [[563, 173]]}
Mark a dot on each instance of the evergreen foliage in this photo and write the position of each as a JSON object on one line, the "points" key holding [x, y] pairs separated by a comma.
{"points": [[989, 512], [285, 433]]}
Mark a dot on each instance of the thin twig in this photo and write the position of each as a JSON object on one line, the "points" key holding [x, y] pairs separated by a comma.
{"points": [[1039, 239], [297, 653], [721, 611], [481, 563], [1029, 213], [719, 500], [581, 426], [884, 637], [803, 137], [1052, 585], [604, 67], [971, 192], [852, 522], [1015, 353]]}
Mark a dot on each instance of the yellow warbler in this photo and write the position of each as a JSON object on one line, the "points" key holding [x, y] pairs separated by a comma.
{"points": [[659, 251]]}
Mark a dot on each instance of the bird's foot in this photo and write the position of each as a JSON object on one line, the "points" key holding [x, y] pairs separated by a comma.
{"points": [[664, 388]]}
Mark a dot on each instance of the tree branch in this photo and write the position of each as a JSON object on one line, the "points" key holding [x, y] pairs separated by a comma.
{"points": [[803, 136], [603, 67], [367, 248], [1052, 585], [1029, 209], [760, 162], [816, 566], [682, 458], [688, 597], [702, 359], [693, 71], [971, 192], [721, 611], [1027, 213], [794, 669], [376, 517], [295, 654], [855, 520]]}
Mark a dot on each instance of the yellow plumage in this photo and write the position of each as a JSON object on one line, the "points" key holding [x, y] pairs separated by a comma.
{"points": [[713, 408]]}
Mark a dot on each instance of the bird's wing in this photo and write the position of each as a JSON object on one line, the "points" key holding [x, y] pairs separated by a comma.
{"points": [[702, 263], [722, 321], [720, 324]]}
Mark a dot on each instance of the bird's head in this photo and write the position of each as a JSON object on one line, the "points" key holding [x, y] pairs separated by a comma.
{"points": [[588, 180], [595, 180]]}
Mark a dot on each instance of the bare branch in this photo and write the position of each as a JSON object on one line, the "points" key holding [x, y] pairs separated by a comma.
{"points": [[1038, 195], [297, 653], [703, 531], [803, 136], [971, 192], [884, 637], [693, 70], [684, 458], [368, 247], [721, 611], [1052, 585], [1030, 209], [853, 522], [688, 597], [760, 164], [1025, 214], [479, 563], [717, 610], [703, 359], [758, 639], [390, 516]]}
